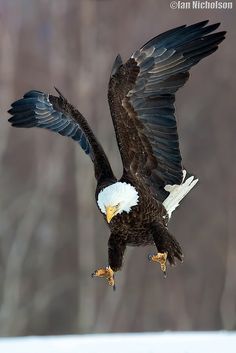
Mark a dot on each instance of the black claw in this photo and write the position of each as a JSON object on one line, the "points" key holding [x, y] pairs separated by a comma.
{"points": [[165, 274], [114, 288], [149, 257]]}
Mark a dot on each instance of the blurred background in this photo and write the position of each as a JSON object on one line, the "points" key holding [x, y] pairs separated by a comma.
{"points": [[52, 236]]}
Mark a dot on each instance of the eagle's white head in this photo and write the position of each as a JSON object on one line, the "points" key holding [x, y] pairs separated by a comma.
{"points": [[117, 198]]}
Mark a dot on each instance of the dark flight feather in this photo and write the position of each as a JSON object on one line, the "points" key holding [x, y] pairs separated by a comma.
{"points": [[116, 65], [37, 109], [141, 97]]}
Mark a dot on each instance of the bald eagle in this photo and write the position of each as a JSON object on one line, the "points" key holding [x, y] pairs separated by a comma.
{"points": [[141, 96]]}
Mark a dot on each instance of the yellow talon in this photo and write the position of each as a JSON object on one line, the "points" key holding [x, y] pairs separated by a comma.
{"points": [[106, 272], [161, 258]]}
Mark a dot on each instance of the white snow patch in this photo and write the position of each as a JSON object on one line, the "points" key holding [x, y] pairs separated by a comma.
{"points": [[168, 342]]}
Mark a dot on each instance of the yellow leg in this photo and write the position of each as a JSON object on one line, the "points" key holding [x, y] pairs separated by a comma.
{"points": [[106, 272], [161, 258]]}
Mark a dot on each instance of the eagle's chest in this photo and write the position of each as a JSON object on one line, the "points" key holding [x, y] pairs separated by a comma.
{"points": [[136, 226], [128, 222]]}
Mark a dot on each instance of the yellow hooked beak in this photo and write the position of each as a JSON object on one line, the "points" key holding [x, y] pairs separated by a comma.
{"points": [[111, 212]]}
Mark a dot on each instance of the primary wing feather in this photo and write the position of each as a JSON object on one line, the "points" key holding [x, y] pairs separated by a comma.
{"points": [[38, 109], [142, 95]]}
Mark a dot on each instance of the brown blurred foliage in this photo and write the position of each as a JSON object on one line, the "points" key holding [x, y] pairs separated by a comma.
{"points": [[52, 236]]}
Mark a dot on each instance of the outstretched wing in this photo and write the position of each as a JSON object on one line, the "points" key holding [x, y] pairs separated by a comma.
{"points": [[38, 109], [142, 95]]}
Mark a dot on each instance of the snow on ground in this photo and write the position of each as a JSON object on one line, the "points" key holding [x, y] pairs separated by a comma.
{"points": [[168, 342]]}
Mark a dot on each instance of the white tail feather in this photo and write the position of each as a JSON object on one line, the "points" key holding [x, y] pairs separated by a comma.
{"points": [[177, 193]]}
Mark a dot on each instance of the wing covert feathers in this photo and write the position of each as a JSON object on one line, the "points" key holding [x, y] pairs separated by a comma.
{"points": [[142, 95]]}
